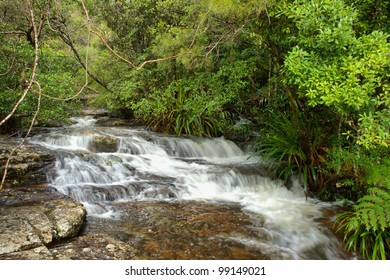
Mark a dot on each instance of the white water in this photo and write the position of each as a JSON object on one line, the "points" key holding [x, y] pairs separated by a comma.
{"points": [[148, 166]]}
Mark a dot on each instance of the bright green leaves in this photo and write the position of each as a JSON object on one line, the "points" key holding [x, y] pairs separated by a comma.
{"points": [[333, 67], [373, 209], [327, 25], [223, 7], [374, 129], [367, 227], [234, 8]]}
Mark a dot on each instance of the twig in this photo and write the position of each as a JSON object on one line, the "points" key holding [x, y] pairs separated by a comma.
{"points": [[24, 138], [34, 71], [15, 32], [66, 38], [84, 64], [137, 68], [32, 81]]}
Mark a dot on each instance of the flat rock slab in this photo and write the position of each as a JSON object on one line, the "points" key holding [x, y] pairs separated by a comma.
{"points": [[32, 218], [93, 247], [37, 253], [161, 230]]}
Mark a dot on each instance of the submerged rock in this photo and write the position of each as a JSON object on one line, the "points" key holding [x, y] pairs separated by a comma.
{"points": [[188, 230], [34, 218]]}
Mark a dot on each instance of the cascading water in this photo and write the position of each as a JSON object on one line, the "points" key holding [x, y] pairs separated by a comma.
{"points": [[102, 166]]}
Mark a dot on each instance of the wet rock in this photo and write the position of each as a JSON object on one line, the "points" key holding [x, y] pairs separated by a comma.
{"points": [[114, 122], [29, 165], [104, 144], [32, 218], [186, 230], [93, 247], [95, 112], [96, 193]]}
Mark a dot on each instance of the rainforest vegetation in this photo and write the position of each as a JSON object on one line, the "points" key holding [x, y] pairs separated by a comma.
{"points": [[307, 80]]}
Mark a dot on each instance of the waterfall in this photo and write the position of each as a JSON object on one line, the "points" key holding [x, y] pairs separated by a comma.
{"points": [[99, 166]]}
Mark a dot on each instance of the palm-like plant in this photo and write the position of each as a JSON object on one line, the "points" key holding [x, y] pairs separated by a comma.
{"points": [[294, 148], [183, 113]]}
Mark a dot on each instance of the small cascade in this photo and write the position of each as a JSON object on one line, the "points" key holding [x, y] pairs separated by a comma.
{"points": [[102, 166], [199, 147]]}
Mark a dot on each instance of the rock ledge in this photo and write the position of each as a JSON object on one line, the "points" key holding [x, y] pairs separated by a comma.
{"points": [[31, 219]]}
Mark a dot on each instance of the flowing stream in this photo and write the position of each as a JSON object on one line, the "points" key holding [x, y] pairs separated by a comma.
{"points": [[104, 167]]}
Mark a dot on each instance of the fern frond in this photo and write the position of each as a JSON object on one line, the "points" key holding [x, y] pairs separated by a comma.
{"points": [[382, 193], [371, 198], [367, 228]]}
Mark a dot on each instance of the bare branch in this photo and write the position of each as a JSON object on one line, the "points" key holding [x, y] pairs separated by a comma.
{"points": [[128, 61], [231, 34], [197, 30], [13, 32], [64, 34], [24, 138], [31, 82], [34, 71], [137, 68], [84, 64]]}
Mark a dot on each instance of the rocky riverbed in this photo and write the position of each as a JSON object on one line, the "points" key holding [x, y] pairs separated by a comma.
{"points": [[38, 222], [155, 215]]}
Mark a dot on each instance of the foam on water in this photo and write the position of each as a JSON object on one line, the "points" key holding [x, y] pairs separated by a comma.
{"points": [[214, 170]]}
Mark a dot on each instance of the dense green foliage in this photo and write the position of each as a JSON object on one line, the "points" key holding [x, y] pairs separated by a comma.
{"points": [[211, 76], [57, 75], [310, 79]]}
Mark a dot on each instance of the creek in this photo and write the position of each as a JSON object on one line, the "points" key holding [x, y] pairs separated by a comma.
{"points": [[185, 198]]}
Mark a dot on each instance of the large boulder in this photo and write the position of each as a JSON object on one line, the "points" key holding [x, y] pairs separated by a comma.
{"points": [[31, 219]]}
